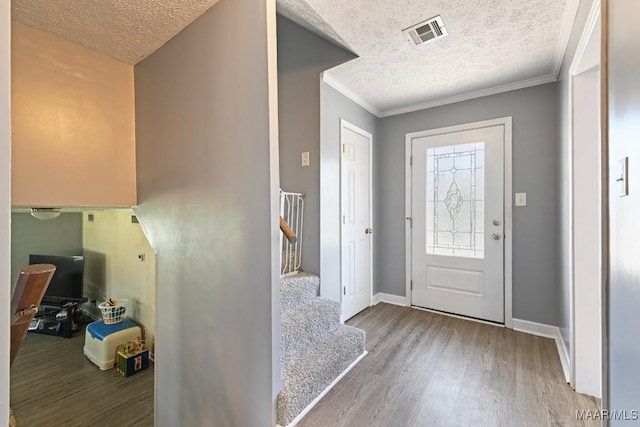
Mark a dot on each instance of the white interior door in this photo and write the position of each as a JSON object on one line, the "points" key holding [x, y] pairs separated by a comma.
{"points": [[458, 222], [356, 220]]}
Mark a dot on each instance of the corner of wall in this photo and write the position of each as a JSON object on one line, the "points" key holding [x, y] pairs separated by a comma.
{"points": [[302, 57], [5, 202], [274, 173], [114, 268]]}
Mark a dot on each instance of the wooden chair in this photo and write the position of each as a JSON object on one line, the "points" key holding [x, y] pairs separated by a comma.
{"points": [[31, 284]]}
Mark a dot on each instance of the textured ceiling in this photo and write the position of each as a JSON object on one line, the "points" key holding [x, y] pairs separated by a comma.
{"points": [[491, 43], [128, 30], [302, 14]]}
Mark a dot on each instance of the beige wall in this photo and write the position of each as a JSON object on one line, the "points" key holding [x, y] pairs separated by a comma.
{"points": [[5, 188], [72, 124], [112, 267]]}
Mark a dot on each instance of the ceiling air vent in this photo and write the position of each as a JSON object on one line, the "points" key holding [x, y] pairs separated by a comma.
{"points": [[426, 31]]}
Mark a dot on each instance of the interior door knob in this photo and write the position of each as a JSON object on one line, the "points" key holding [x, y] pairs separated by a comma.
{"points": [[496, 236], [368, 230]]}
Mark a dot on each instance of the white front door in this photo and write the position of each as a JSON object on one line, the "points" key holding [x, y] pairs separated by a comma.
{"points": [[457, 190], [356, 219]]}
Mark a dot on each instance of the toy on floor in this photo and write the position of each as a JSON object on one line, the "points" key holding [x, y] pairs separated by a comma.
{"points": [[132, 357]]}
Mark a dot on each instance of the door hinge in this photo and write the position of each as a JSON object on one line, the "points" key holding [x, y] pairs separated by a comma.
{"points": [[344, 219], [410, 221], [410, 160], [412, 285], [344, 290], [344, 148]]}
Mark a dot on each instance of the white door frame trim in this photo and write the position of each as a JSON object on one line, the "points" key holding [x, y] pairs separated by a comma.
{"points": [[574, 71], [344, 124], [508, 208]]}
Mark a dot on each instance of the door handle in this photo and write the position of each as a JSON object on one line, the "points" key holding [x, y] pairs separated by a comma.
{"points": [[368, 230], [496, 236]]}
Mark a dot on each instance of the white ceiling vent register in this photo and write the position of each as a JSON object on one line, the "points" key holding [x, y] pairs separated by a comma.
{"points": [[425, 31]]}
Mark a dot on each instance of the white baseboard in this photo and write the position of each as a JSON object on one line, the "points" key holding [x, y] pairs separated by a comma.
{"points": [[389, 299], [547, 331], [324, 392], [564, 359]]}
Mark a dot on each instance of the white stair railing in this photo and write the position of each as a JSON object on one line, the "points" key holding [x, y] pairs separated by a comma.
{"points": [[292, 211]]}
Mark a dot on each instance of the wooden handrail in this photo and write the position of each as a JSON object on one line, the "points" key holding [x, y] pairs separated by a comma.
{"points": [[31, 311], [31, 285], [288, 232]]}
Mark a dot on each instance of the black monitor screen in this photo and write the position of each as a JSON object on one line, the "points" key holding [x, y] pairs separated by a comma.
{"points": [[67, 280]]}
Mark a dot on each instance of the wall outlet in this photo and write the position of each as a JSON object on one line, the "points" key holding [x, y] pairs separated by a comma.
{"points": [[305, 158], [521, 199]]}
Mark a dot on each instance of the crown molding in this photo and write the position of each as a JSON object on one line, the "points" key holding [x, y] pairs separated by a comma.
{"points": [[589, 27], [334, 83], [566, 26], [471, 95]]}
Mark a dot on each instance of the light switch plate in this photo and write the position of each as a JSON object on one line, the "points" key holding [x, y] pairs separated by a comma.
{"points": [[623, 177], [305, 158], [521, 199]]}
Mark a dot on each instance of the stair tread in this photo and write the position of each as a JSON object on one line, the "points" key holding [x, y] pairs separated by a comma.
{"points": [[298, 289], [316, 347], [306, 375], [303, 275], [302, 311], [331, 343], [308, 322]]}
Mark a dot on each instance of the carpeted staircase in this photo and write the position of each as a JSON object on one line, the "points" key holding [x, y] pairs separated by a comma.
{"points": [[316, 347]]}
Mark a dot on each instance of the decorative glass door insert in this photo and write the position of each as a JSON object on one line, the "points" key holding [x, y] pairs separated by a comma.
{"points": [[455, 200]]}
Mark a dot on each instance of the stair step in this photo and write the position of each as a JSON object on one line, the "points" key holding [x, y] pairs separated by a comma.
{"points": [[307, 374], [303, 325], [298, 289]]}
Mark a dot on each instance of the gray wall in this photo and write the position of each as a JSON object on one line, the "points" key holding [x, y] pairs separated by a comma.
{"points": [[564, 274], [207, 188], [59, 236], [624, 285], [302, 56], [535, 171], [336, 106]]}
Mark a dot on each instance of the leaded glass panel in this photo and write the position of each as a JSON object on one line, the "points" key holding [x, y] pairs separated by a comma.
{"points": [[455, 200]]}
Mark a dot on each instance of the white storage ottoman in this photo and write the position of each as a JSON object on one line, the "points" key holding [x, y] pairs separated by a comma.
{"points": [[101, 340]]}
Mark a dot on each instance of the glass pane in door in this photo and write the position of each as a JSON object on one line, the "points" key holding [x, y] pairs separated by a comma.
{"points": [[455, 200]]}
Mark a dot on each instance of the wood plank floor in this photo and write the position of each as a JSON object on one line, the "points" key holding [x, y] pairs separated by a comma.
{"points": [[54, 384], [422, 369], [425, 369]]}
